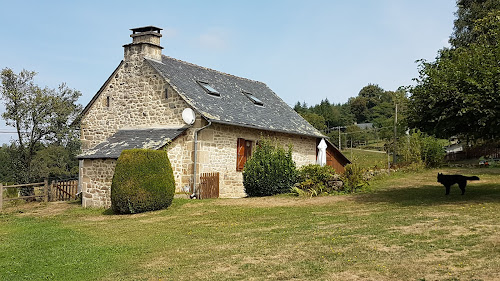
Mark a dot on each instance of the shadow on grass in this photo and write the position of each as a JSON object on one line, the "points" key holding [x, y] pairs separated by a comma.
{"points": [[176, 203], [434, 195]]}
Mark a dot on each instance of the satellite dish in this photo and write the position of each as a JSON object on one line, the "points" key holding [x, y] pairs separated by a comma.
{"points": [[188, 116]]}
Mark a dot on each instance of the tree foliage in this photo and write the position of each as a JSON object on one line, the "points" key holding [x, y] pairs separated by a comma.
{"points": [[459, 93], [419, 149], [325, 115], [43, 119], [468, 12], [372, 105]]}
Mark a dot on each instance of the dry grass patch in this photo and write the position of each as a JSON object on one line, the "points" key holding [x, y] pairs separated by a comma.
{"points": [[280, 201]]}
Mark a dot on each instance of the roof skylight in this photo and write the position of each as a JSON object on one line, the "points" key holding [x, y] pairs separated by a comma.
{"points": [[208, 88], [253, 99]]}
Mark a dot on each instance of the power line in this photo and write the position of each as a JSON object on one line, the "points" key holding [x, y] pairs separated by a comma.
{"points": [[365, 130]]}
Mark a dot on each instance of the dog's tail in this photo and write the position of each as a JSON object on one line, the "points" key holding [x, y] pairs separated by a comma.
{"points": [[474, 178]]}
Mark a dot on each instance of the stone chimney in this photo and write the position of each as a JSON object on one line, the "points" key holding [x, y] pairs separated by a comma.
{"points": [[145, 43]]}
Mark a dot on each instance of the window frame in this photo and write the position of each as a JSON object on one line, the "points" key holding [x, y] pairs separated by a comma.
{"points": [[255, 100], [208, 88]]}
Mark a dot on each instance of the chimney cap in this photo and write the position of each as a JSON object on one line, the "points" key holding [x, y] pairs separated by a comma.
{"points": [[146, 28]]}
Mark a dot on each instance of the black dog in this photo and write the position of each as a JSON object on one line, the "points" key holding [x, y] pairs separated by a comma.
{"points": [[449, 180]]}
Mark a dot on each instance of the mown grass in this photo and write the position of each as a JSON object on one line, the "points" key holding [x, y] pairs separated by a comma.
{"points": [[406, 229]]}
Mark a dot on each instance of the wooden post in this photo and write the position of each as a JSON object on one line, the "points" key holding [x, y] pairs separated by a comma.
{"points": [[394, 155], [1, 196], [46, 191]]}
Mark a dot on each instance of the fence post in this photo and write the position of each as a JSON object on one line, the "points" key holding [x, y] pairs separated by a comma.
{"points": [[46, 191], [1, 196]]}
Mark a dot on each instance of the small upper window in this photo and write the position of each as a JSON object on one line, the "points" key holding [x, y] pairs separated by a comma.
{"points": [[208, 88], [253, 98]]}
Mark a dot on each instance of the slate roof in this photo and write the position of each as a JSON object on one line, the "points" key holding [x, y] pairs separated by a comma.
{"points": [[232, 106], [365, 126], [150, 138]]}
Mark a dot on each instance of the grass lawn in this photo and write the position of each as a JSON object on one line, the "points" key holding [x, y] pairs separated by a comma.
{"points": [[406, 229], [367, 159]]}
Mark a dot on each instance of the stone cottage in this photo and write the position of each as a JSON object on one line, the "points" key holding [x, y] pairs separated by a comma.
{"points": [[208, 121]]}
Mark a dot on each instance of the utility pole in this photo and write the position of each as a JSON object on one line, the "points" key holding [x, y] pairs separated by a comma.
{"points": [[340, 141], [394, 157]]}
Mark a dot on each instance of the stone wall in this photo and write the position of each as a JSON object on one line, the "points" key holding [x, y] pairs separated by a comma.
{"points": [[96, 177], [217, 153], [134, 97]]}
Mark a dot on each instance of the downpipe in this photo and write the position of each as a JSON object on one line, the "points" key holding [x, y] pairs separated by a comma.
{"points": [[195, 191]]}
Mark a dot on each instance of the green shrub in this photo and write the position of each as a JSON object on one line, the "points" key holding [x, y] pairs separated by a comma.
{"points": [[315, 180], [143, 181], [418, 150], [269, 171], [353, 178]]}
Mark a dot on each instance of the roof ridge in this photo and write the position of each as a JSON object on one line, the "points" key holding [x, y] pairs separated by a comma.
{"points": [[211, 69]]}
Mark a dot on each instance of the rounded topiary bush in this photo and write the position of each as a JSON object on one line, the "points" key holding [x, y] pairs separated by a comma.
{"points": [[143, 181], [271, 170]]}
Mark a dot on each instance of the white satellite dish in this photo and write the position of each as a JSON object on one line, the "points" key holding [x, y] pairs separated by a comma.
{"points": [[188, 116]]}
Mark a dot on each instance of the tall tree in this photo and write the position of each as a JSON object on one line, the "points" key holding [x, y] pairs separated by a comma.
{"points": [[468, 12], [371, 103], [459, 93], [41, 116]]}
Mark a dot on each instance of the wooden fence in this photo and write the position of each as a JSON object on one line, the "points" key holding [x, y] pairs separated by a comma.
{"points": [[471, 153], [57, 190], [209, 185], [64, 190], [44, 194]]}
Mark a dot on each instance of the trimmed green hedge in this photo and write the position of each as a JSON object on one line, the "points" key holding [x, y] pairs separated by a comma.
{"points": [[143, 181]]}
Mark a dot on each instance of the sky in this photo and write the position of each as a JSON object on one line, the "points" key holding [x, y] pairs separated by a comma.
{"points": [[304, 51]]}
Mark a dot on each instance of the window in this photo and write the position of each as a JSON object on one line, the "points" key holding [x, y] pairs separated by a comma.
{"points": [[166, 93], [108, 101], [244, 151], [253, 99], [208, 88]]}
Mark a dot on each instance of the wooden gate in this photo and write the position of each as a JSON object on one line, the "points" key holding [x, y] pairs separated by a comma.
{"points": [[64, 190], [209, 185]]}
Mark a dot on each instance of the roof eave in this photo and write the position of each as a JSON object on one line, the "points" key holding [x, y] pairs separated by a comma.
{"points": [[266, 129]]}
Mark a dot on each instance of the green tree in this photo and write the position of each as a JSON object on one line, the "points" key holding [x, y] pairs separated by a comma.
{"points": [[301, 108], [359, 108], [371, 103], [317, 121], [54, 161], [41, 116], [469, 11], [459, 93], [7, 171]]}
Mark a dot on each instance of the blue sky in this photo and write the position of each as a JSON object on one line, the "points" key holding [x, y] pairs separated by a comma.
{"points": [[303, 50]]}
